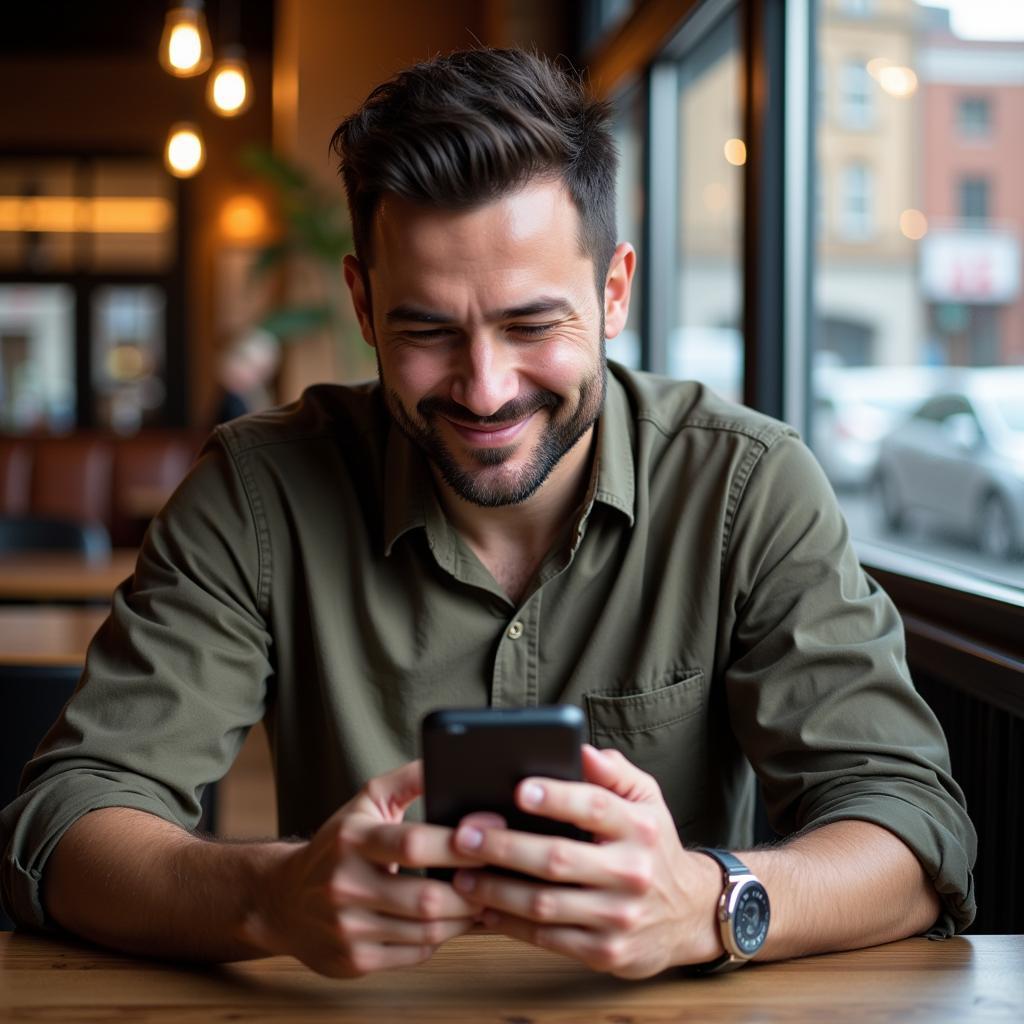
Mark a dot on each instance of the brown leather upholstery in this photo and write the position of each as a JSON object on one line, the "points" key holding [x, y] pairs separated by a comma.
{"points": [[71, 479], [147, 468], [119, 482], [15, 478]]}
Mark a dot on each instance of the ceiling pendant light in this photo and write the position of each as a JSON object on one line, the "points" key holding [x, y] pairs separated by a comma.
{"points": [[229, 89], [185, 44], [185, 152]]}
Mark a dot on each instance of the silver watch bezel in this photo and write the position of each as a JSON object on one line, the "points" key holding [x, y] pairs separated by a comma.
{"points": [[733, 890]]}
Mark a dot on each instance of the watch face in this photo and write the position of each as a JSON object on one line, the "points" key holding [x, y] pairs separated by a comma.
{"points": [[750, 918]]}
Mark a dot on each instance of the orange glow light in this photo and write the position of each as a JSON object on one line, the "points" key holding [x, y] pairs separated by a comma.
{"points": [[736, 152], [243, 218], [106, 215]]}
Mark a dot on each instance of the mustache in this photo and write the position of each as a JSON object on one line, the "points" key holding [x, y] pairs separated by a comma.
{"points": [[517, 409]]}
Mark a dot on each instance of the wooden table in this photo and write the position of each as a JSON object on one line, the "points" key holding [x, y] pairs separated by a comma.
{"points": [[47, 635], [487, 978], [62, 576]]}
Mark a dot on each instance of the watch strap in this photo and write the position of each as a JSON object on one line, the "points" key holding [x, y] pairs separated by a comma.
{"points": [[730, 863]]}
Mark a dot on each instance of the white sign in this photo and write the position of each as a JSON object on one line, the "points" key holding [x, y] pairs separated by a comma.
{"points": [[975, 266]]}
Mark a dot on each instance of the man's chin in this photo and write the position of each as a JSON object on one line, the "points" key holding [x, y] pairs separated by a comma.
{"points": [[495, 485]]}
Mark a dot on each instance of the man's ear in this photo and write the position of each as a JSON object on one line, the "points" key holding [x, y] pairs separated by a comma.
{"points": [[617, 287], [356, 278]]}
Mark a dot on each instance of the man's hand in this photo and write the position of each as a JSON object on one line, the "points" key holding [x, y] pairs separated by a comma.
{"points": [[632, 903], [339, 905]]}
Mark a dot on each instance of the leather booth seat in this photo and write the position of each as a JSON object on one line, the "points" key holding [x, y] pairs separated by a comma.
{"points": [[117, 482]]}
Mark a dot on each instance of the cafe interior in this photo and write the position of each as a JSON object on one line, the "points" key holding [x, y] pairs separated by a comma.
{"points": [[172, 226]]}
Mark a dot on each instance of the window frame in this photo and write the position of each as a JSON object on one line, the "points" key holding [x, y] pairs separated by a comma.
{"points": [[963, 628], [84, 284]]}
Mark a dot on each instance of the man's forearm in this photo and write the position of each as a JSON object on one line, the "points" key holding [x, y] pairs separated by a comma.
{"points": [[129, 880], [846, 885]]}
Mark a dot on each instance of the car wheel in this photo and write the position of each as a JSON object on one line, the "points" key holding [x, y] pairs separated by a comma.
{"points": [[997, 533], [889, 502]]}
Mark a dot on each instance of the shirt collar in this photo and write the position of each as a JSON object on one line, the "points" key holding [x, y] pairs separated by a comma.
{"points": [[410, 501]]}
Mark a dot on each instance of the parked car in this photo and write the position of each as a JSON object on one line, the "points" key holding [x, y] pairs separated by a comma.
{"points": [[855, 407], [958, 462]]}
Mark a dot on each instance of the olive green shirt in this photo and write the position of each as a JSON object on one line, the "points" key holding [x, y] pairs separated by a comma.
{"points": [[707, 611]]}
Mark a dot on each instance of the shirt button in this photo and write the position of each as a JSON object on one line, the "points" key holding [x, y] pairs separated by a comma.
{"points": [[515, 631]]}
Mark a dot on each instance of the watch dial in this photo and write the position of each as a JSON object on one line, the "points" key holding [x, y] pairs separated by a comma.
{"points": [[750, 920]]}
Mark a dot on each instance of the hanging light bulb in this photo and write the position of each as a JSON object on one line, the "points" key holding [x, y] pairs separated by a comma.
{"points": [[185, 43], [229, 89], [185, 152]]}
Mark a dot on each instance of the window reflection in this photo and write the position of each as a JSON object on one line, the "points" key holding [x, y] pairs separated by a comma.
{"points": [[705, 343], [919, 327], [37, 358], [128, 356]]}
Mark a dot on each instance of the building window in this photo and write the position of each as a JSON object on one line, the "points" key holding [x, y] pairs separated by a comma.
{"points": [[855, 215], [974, 198], [974, 117], [856, 96]]}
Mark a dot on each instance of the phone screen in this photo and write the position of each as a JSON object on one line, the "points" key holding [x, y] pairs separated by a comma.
{"points": [[473, 759]]}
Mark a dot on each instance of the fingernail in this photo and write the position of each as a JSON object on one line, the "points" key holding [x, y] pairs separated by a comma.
{"points": [[469, 838], [532, 794], [464, 881]]}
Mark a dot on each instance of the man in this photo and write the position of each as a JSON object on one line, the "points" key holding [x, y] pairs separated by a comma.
{"points": [[502, 520]]}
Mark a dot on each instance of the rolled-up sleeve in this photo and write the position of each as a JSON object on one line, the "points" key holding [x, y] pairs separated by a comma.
{"points": [[819, 692], [172, 682]]}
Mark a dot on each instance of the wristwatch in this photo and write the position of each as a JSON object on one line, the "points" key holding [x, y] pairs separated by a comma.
{"points": [[743, 913]]}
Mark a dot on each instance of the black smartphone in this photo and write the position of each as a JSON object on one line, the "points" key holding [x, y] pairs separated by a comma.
{"points": [[473, 759]]}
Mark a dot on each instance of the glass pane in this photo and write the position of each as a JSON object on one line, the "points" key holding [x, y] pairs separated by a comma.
{"points": [[37, 358], [64, 215], [38, 221], [630, 200], [128, 356], [134, 216], [919, 320], [705, 343]]}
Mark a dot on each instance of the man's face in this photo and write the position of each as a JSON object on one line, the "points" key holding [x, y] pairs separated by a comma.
{"points": [[489, 336]]}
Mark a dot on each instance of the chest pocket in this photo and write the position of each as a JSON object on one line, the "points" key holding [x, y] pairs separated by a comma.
{"points": [[663, 732]]}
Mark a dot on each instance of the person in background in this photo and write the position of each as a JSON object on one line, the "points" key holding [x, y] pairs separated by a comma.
{"points": [[246, 370]]}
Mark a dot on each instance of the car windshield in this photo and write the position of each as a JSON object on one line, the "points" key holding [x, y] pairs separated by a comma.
{"points": [[1012, 412]]}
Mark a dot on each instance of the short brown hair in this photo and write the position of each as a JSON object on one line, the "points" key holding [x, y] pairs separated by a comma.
{"points": [[472, 126]]}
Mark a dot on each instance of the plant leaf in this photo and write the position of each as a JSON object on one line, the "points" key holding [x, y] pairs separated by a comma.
{"points": [[288, 321]]}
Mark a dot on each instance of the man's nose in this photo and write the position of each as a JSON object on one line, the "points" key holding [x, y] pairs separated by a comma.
{"points": [[486, 378]]}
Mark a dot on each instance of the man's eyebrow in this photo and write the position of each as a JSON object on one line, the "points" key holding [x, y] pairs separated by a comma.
{"points": [[544, 305]]}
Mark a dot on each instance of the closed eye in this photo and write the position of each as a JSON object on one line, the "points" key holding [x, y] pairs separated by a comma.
{"points": [[434, 332], [532, 330]]}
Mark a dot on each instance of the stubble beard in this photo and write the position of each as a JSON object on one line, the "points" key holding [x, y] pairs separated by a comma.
{"points": [[485, 485]]}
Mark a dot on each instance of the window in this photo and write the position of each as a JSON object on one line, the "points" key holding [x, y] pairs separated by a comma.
{"points": [[88, 251], [37, 358], [855, 216], [856, 96], [914, 265], [128, 356], [972, 198], [704, 341], [630, 203], [917, 298], [974, 117]]}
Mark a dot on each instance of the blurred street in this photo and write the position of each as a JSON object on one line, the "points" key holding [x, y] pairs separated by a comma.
{"points": [[954, 552]]}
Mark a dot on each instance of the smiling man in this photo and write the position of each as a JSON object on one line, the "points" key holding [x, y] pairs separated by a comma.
{"points": [[502, 519]]}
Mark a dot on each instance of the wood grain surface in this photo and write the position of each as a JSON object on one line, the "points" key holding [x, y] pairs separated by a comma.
{"points": [[63, 576], [47, 635], [487, 978]]}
